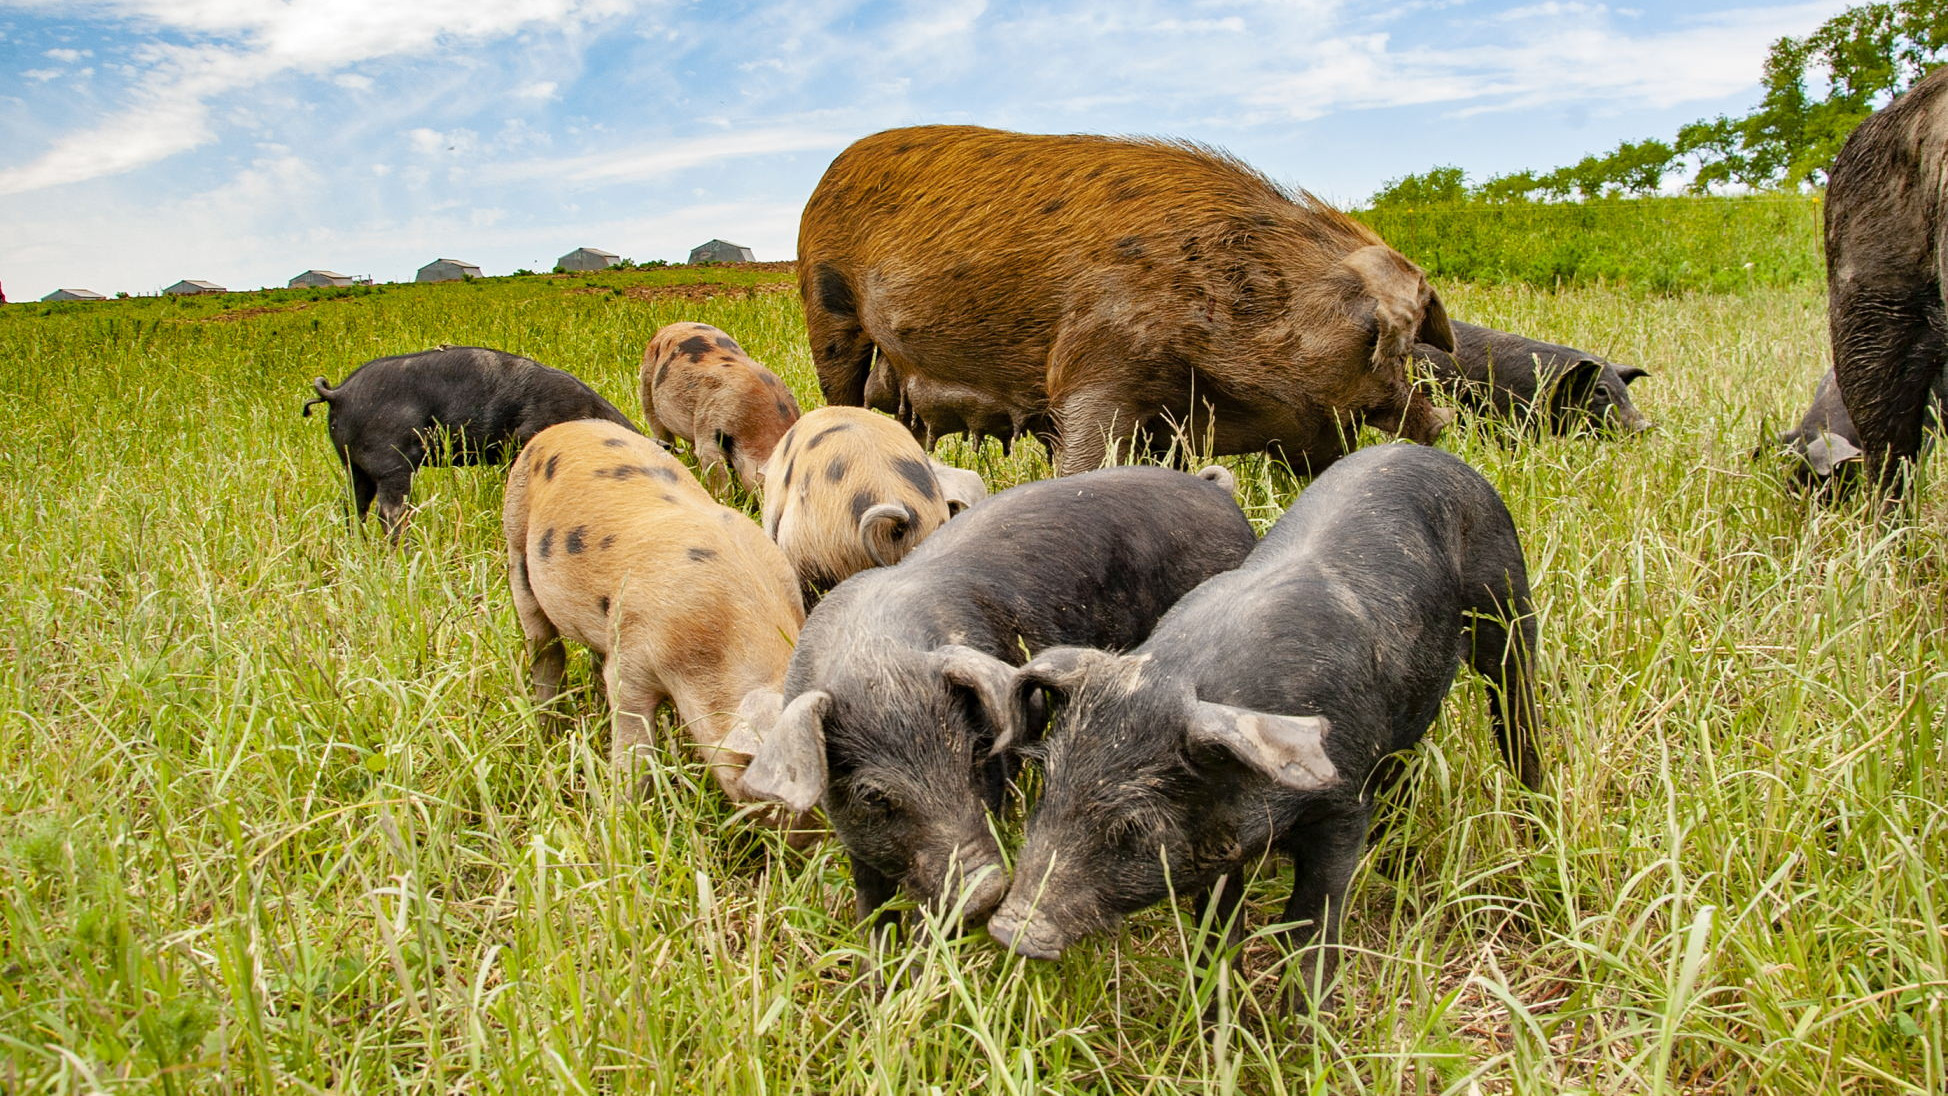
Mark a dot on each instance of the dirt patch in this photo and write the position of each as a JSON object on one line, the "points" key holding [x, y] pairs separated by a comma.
{"points": [[236, 314], [780, 264], [695, 291]]}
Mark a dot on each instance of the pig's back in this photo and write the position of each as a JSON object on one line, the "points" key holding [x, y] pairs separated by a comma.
{"points": [[1091, 559]]}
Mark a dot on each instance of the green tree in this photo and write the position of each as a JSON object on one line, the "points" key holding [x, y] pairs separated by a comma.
{"points": [[1854, 63], [1863, 56], [1516, 186], [1631, 168], [1640, 168], [1446, 185]]}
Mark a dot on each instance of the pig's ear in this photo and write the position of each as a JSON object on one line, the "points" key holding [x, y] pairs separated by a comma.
{"points": [[1220, 475], [962, 487], [991, 681], [1388, 304], [1435, 330], [884, 532], [756, 718], [1056, 670], [1827, 452], [788, 764], [1574, 386], [1060, 668], [1630, 372], [1288, 748]]}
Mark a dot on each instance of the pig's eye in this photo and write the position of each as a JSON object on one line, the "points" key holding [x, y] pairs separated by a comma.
{"points": [[871, 799], [1123, 828]]}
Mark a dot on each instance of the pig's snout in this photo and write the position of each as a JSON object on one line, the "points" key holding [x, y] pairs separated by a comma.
{"points": [[1025, 939], [1427, 428], [972, 882], [1027, 922], [980, 890]]}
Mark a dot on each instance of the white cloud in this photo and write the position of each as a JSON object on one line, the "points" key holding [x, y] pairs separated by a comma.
{"points": [[424, 140], [40, 75], [141, 134], [271, 184], [353, 81], [1706, 58], [541, 89], [667, 156], [68, 56], [1228, 25], [1550, 9], [260, 41], [944, 23], [1561, 53]]}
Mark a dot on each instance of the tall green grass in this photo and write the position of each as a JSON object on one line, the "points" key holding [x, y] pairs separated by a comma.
{"points": [[275, 813], [1657, 245]]}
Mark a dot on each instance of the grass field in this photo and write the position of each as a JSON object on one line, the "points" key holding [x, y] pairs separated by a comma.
{"points": [[1655, 245], [275, 814]]}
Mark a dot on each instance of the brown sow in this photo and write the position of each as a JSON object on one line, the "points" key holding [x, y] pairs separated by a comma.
{"points": [[1088, 289]]}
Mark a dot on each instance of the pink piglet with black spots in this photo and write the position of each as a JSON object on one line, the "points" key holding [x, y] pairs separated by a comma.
{"points": [[612, 543], [698, 384], [847, 489]]}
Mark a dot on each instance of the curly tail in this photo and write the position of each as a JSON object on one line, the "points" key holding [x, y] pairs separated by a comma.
{"points": [[883, 532], [325, 394]]}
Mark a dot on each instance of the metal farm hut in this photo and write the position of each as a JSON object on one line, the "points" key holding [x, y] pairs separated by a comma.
{"points": [[721, 251], [588, 258], [446, 270]]}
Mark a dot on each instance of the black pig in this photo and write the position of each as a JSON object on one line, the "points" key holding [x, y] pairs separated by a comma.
{"points": [[1827, 444], [1887, 305], [457, 404], [901, 682], [1254, 715], [1528, 381]]}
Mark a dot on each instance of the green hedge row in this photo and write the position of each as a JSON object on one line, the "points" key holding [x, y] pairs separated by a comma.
{"points": [[1662, 245]]}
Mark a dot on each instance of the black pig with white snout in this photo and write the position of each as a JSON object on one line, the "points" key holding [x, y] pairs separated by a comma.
{"points": [[1254, 715], [903, 678]]}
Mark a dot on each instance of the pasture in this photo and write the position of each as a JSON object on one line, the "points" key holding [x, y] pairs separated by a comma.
{"points": [[276, 815]]}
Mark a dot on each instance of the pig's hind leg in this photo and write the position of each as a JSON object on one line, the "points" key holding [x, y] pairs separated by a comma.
{"points": [[363, 488], [842, 352], [391, 496], [1100, 421], [635, 695], [546, 658], [1095, 427]]}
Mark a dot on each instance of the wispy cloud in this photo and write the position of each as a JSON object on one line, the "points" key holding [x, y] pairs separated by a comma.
{"points": [[668, 157], [171, 107]]}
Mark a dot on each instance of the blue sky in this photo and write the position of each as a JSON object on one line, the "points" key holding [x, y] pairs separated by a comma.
{"points": [[243, 141]]}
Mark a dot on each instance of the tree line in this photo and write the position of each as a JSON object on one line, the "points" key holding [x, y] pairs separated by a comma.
{"points": [[1860, 59]]}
